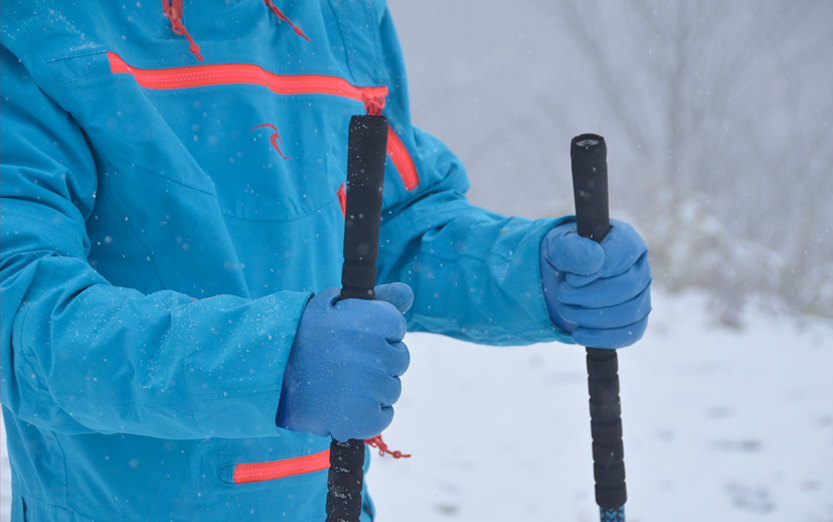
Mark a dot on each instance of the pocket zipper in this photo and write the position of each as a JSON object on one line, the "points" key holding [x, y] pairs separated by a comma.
{"points": [[224, 74], [278, 469]]}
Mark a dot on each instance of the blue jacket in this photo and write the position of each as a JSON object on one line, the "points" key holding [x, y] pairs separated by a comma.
{"points": [[164, 221]]}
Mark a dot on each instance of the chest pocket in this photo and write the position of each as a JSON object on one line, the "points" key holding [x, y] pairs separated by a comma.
{"points": [[274, 146], [269, 147]]}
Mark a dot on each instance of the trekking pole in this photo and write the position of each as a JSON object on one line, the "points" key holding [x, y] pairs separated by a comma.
{"points": [[589, 158], [366, 154]]}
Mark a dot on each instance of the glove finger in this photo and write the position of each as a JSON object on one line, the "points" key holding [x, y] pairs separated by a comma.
{"points": [[325, 298], [395, 326], [385, 417], [398, 359], [373, 319], [399, 295], [569, 252], [374, 425], [368, 407], [388, 390], [609, 317], [609, 291], [623, 247], [611, 337]]}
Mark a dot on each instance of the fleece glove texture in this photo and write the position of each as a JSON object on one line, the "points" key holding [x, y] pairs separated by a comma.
{"points": [[600, 293], [342, 377]]}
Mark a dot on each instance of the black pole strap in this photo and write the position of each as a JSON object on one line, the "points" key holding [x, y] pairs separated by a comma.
{"points": [[366, 155], [589, 159]]}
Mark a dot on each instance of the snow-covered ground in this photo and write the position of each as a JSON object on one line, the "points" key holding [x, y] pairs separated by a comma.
{"points": [[721, 425]]}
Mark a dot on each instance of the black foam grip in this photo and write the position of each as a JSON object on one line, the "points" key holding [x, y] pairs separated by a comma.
{"points": [[344, 481], [606, 428], [366, 155], [589, 159]]}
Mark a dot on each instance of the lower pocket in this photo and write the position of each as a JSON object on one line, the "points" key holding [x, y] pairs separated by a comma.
{"points": [[233, 474]]}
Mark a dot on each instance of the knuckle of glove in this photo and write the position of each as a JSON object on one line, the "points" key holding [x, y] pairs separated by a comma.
{"points": [[609, 291], [608, 317], [623, 248], [368, 413], [386, 390], [381, 421], [568, 252], [385, 318], [611, 338], [369, 320]]}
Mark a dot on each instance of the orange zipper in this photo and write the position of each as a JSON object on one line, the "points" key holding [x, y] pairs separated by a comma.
{"points": [[261, 471], [224, 74], [402, 160]]}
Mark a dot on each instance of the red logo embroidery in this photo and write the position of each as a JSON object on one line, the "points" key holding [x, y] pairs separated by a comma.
{"points": [[275, 139]]}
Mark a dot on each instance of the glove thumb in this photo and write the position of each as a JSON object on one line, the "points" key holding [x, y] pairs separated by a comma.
{"points": [[399, 295], [571, 253]]}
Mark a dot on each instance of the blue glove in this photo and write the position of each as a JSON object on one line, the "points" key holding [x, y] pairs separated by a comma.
{"points": [[342, 377], [599, 293]]}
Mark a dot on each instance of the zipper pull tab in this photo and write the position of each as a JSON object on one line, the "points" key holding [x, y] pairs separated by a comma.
{"points": [[180, 29], [374, 99], [279, 14], [173, 11]]}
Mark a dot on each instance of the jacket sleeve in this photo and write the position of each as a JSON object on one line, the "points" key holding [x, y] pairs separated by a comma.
{"points": [[476, 275], [82, 355]]}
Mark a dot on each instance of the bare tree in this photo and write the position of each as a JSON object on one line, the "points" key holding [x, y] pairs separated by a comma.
{"points": [[729, 104]]}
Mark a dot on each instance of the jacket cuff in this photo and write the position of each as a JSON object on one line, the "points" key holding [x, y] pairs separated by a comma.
{"points": [[235, 385]]}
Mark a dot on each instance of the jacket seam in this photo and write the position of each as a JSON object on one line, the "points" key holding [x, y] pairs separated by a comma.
{"points": [[377, 17], [137, 236], [551, 327], [56, 60], [66, 468], [189, 401], [109, 154], [42, 64], [329, 202], [49, 504], [380, 48], [212, 195], [23, 322], [83, 78], [343, 42]]}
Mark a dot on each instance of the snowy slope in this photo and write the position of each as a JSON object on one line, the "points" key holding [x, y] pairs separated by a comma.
{"points": [[720, 426]]}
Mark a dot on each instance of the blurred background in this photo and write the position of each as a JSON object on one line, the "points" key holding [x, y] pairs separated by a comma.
{"points": [[718, 118]]}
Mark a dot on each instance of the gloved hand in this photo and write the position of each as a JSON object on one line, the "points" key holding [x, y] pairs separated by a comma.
{"points": [[342, 377], [599, 293]]}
